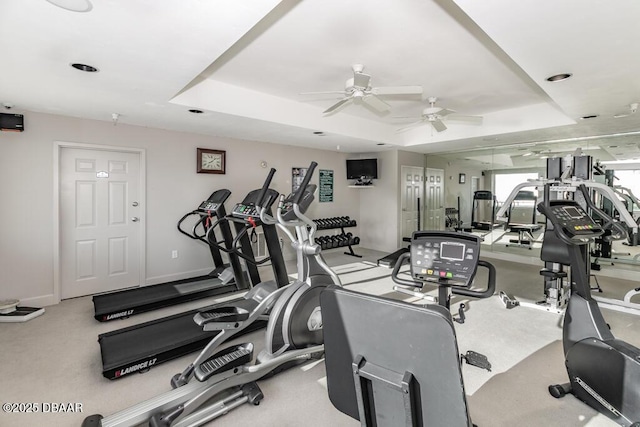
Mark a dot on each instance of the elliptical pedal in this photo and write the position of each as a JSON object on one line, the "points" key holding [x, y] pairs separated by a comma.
{"points": [[224, 360], [225, 318]]}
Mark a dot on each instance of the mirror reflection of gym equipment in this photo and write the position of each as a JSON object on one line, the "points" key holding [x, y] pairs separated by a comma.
{"points": [[483, 211], [521, 219]]}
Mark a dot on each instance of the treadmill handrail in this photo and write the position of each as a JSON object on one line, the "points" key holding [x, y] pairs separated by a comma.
{"points": [[235, 249], [193, 235]]}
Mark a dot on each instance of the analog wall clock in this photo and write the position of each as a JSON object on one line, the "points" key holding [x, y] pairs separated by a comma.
{"points": [[211, 161]]}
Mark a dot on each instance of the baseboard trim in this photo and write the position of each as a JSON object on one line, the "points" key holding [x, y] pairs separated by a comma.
{"points": [[40, 301]]}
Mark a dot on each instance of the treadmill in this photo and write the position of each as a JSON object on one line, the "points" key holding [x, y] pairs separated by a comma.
{"points": [[221, 280], [138, 348]]}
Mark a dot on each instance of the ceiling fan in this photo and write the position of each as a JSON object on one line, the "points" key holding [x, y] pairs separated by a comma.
{"points": [[435, 116], [358, 88]]}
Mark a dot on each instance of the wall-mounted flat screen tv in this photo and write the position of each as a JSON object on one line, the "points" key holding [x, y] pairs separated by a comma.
{"points": [[358, 168]]}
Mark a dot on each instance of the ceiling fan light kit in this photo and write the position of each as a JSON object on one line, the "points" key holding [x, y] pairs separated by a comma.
{"points": [[359, 88], [436, 116]]}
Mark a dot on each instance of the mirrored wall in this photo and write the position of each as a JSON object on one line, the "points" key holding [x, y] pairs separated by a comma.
{"points": [[477, 182]]}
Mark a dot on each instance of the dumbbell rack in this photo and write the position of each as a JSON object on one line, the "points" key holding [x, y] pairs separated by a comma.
{"points": [[334, 224]]}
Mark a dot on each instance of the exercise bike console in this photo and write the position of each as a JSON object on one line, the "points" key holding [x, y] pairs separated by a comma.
{"points": [[451, 258], [571, 220], [448, 260]]}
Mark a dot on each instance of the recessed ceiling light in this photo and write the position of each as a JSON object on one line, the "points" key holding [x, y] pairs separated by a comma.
{"points": [[319, 133], [73, 5], [195, 111], [559, 77], [527, 154], [590, 116], [85, 67]]}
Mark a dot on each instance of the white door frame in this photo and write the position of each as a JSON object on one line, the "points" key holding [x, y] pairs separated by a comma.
{"points": [[57, 148]]}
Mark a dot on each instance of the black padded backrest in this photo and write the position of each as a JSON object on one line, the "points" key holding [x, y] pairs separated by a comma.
{"points": [[397, 337], [554, 249]]}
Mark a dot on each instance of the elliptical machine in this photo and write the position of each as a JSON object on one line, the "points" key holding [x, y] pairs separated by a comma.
{"points": [[228, 375], [604, 372]]}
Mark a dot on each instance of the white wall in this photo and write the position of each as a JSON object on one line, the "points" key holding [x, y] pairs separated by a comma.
{"points": [[173, 188], [379, 204]]}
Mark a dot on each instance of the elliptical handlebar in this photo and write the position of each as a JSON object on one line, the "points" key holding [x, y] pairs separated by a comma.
{"points": [[305, 181], [265, 187]]}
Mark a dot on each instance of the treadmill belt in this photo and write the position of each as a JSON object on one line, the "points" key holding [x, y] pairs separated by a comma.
{"points": [[140, 347], [138, 300]]}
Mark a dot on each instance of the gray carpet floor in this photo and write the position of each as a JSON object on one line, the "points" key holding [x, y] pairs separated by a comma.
{"points": [[56, 359]]}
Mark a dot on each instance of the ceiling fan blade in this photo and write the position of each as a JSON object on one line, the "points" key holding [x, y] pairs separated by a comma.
{"points": [[438, 125], [445, 111], [330, 92], [397, 90], [407, 117], [361, 80], [376, 103], [460, 118], [410, 126], [337, 105]]}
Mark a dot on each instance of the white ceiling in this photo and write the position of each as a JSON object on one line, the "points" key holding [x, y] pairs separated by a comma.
{"points": [[246, 63]]}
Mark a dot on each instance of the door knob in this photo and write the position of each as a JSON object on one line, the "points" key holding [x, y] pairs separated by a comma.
{"points": [[135, 219]]}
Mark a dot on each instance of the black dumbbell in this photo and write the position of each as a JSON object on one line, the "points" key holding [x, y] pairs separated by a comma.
{"points": [[329, 242], [356, 240], [324, 242]]}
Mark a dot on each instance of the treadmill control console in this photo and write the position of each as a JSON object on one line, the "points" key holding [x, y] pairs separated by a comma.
{"points": [[247, 208], [572, 219], [208, 206], [444, 257], [244, 211]]}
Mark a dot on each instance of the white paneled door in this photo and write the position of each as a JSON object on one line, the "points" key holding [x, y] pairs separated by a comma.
{"points": [[412, 190], [434, 183], [100, 221]]}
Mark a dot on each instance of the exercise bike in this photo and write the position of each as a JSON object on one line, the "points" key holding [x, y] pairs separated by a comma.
{"points": [[604, 372], [294, 335]]}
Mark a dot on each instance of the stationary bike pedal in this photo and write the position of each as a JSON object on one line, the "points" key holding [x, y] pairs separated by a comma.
{"points": [[476, 359], [224, 360], [461, 316], [508, 301]]}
